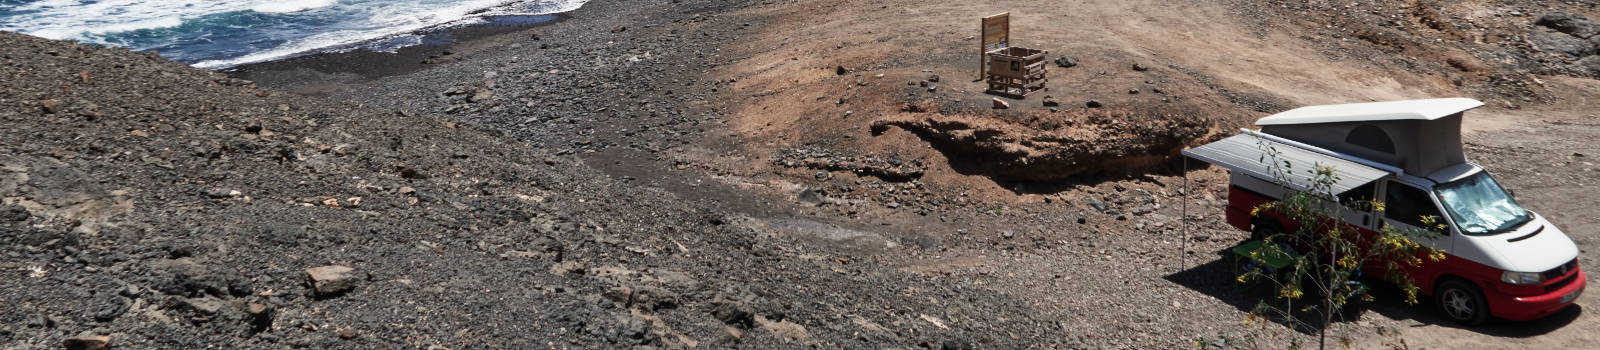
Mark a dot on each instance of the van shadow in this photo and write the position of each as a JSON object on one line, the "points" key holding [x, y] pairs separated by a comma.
{"points": [[1216, 278]]}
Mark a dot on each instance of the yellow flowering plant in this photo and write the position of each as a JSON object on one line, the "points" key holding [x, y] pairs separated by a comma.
{"points": [[1328, 256]]}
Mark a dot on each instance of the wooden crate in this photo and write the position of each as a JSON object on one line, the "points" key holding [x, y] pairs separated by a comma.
{"points": [[1016, 71]]}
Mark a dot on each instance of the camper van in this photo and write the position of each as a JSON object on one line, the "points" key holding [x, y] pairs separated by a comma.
{"points": [[1501, 260]]}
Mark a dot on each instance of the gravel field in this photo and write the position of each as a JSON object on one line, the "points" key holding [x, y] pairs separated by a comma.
{"points": [[710, 173]]}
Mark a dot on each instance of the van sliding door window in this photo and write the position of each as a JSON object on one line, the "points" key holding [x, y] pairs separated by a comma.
{"points": [[1359, 198], [1408, 205]]}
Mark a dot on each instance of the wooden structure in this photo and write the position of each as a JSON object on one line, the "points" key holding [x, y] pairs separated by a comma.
{"points": [[996, 34], [1010, 71], [1016, 71]]}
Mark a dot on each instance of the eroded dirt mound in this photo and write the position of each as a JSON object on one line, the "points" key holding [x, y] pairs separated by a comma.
{"points": [[1054, 146]]}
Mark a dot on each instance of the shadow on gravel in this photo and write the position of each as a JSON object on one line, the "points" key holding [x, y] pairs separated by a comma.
{"points": [[1216, 278], [1390, 303]]}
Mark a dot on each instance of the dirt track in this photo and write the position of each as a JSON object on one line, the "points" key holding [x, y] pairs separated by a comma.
{"points": [[699, 173]]}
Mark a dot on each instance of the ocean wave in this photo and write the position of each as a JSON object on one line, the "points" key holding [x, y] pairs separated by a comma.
{"points": [[224, 33], [80, 32], [290, 6], [397, 23]]}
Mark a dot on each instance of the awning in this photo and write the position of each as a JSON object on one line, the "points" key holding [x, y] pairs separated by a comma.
{"points": [[1247, 153]]}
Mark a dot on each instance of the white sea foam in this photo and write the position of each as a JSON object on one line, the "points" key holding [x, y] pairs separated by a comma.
{"points": [[57, 19], [395, 21], [290, 6], [93, 21], [35, 6], [79, 32]]}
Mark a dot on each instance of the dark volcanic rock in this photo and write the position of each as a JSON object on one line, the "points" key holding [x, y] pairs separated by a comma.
{"points": [[1561, 43], [108, 306], [1066, 61], [1571, 24], [1589, 65], [12, 213]]}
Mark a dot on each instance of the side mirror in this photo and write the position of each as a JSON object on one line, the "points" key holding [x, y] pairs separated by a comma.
{"points": [[1512, 193]]}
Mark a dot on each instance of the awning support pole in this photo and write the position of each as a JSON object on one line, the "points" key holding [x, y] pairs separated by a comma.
{"points": [[1183, 256]]}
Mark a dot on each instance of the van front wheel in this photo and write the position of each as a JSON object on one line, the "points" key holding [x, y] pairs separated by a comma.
{"points": [[1461, 301]]}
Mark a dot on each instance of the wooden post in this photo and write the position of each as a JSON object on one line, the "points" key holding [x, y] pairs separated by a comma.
{"points": [[995, 33]]}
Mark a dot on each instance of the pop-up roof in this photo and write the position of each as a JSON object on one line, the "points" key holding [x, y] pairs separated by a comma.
{"points": [[1363, 142], [1417, 136]]}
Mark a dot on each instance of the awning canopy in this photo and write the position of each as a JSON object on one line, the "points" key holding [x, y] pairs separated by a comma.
{"points": [[1248, 153]]}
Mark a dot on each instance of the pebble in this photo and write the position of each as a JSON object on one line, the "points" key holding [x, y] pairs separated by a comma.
{"points": [[88, 342], [333, 279]]}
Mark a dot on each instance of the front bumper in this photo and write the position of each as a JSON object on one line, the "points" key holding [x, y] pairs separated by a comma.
{"points": [[1523, 308]]}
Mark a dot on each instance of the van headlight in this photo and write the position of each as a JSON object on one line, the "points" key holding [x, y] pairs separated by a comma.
{"points": [[1521, 278]]}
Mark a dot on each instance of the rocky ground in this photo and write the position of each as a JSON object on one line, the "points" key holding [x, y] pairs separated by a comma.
{"points": [[706, 173]]}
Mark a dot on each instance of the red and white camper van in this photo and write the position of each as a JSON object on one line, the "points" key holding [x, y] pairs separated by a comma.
{"points": [[1501, 260]]}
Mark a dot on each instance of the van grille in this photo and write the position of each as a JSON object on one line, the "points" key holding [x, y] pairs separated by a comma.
{"points": [[1560, 284], [1560, 270]]}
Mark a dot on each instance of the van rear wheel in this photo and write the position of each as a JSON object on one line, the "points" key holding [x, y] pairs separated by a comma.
{"points": [[1462, 302]]}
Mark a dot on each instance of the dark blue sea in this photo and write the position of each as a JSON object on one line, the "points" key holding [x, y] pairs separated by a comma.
{"points": [[224, 33]]}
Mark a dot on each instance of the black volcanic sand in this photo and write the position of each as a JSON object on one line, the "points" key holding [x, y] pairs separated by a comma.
{"points": [[171, 207], [361, 64]]}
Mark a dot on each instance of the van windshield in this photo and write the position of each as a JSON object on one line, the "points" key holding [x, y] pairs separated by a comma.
{"points": [[1479, 206]]}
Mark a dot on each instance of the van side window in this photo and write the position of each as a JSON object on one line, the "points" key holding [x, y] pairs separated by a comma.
{"points": [[1370, 137], [1359, 198], [1408, 204]]}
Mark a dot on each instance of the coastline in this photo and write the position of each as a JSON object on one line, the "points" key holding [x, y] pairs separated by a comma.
{"points": [[314, 74]]}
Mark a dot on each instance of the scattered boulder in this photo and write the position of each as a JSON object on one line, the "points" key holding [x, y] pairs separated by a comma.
{"points": [[809, 196], [108, 307], [411, 173], [199, 310], [1589, 65], [1066, 61], [735, 313], [333, 279], [88, 342], [185, 277], [1139, 67], [1093, 104], [1000, 104], [10, 213], [480, 95], [347, 333], [39, 321], [260, 316], [50, 106], [1560, 43], [1050, 101], [1571, 24], [840, 70], [933, 78]]}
